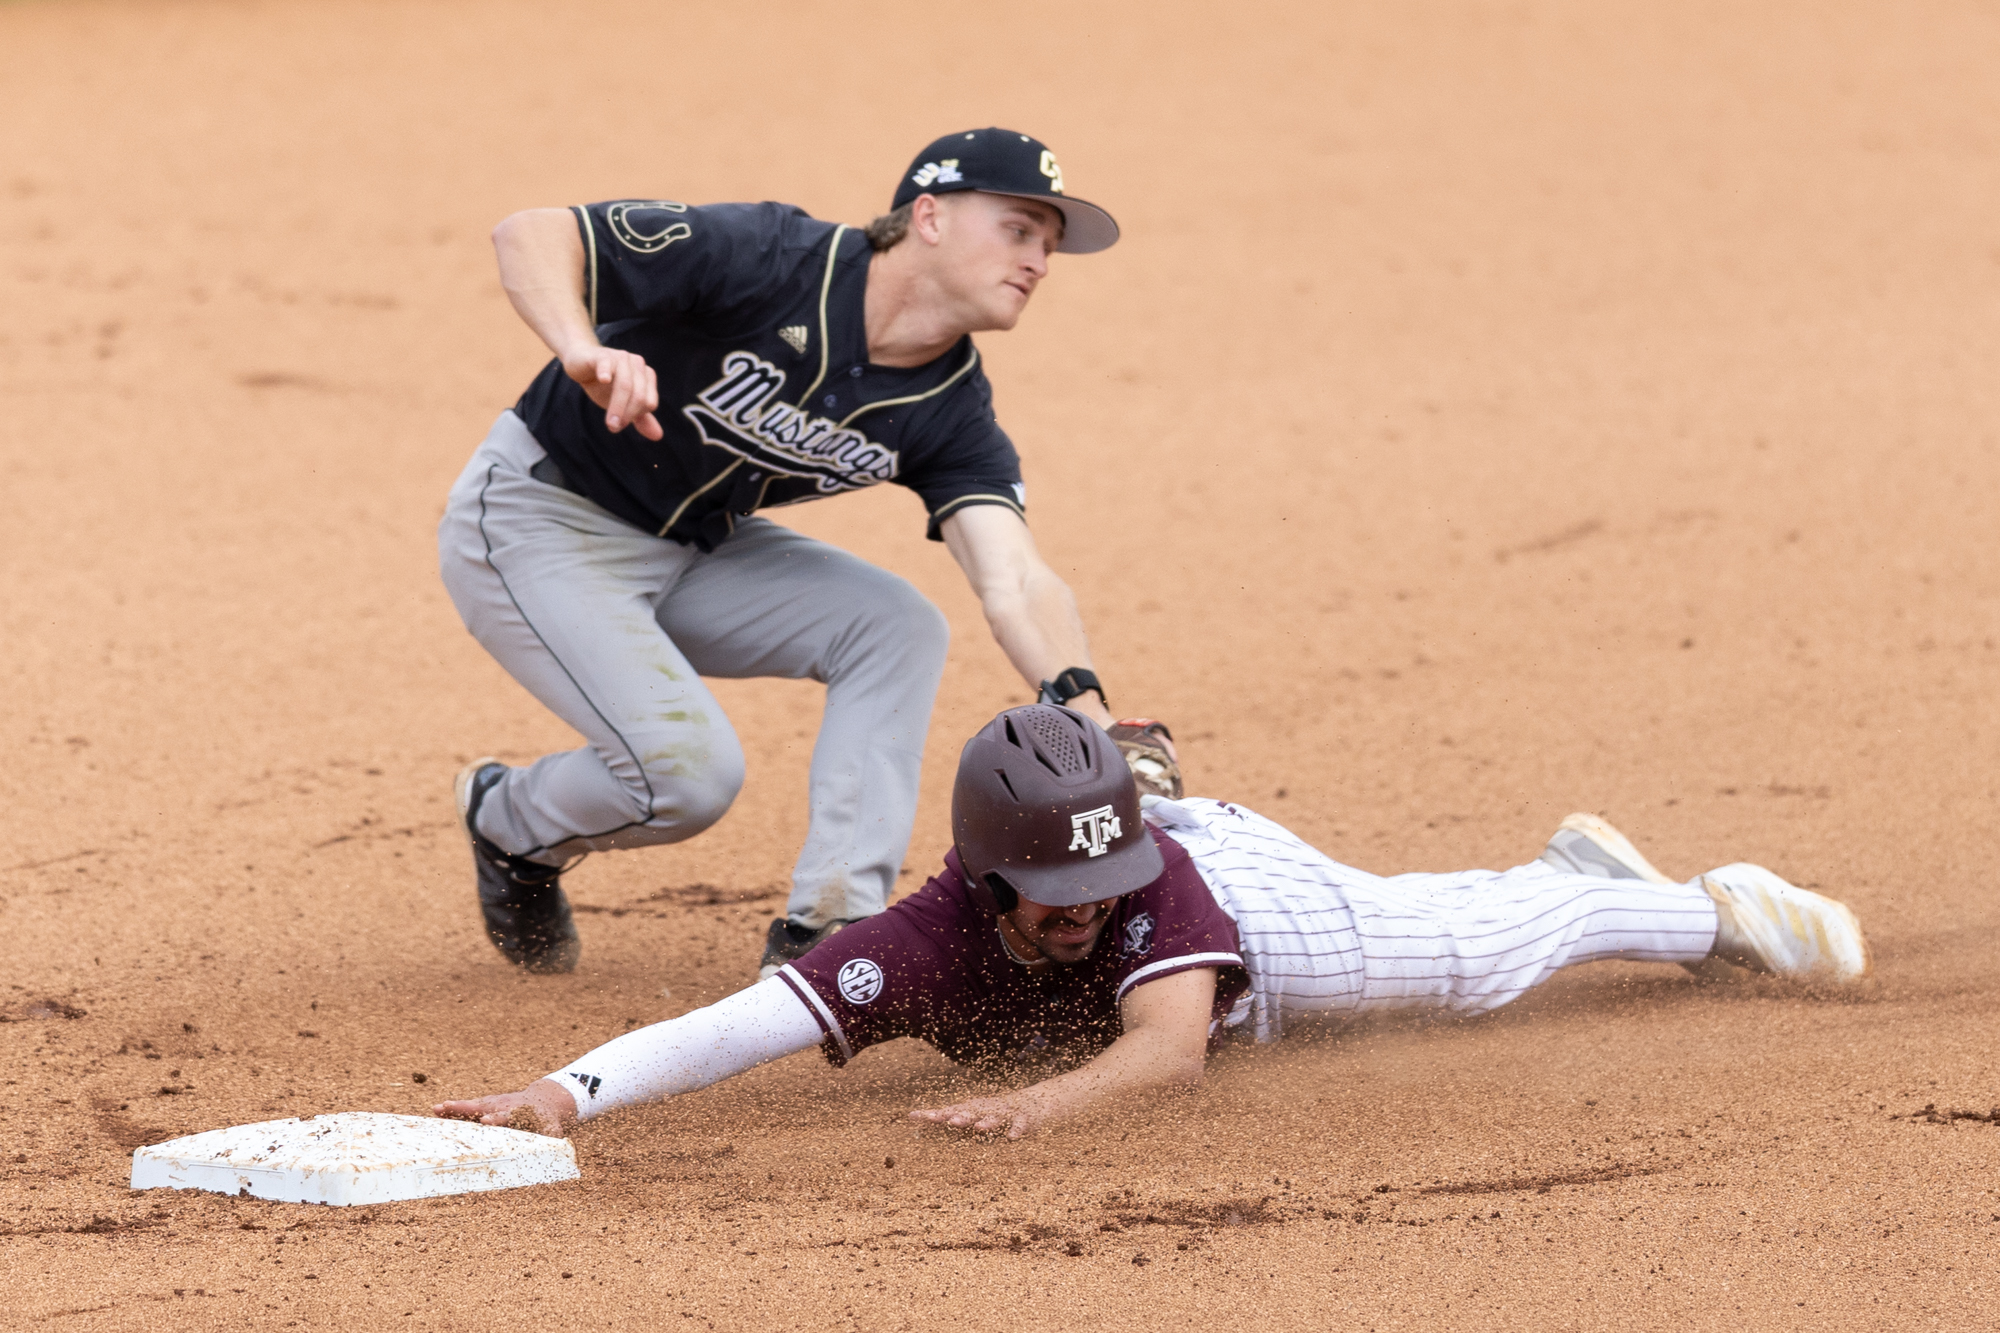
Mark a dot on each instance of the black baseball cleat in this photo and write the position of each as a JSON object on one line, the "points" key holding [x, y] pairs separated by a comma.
{"points": [[527, 914], [788, 941]]}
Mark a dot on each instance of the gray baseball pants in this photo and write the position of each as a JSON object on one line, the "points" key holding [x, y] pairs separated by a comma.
{"points": [[613, 628]]}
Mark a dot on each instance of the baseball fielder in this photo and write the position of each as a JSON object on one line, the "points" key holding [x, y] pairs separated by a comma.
{"points": [[1075, 917], [603, 542]]}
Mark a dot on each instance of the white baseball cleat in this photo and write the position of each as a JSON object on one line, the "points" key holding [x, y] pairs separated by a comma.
{"points": [[1767, 925], [1588, 845]]}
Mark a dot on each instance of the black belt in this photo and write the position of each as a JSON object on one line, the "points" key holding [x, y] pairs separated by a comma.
{"points": [[549, 474]]}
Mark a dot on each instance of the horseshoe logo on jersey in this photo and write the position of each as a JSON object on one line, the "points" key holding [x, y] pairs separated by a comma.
{"points": [[648, 233]]}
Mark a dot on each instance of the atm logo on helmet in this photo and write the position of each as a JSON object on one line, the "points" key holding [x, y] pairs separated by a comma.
{"points": [[1093, 831]]}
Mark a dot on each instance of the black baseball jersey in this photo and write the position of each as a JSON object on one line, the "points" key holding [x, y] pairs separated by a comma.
{"points": [[751, 315]]}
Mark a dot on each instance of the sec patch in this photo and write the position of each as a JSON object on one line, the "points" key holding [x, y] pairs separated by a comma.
{"points": [[860, 980]]}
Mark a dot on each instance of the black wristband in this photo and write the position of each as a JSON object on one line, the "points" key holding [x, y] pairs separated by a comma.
{"points": [[1072, 682]]}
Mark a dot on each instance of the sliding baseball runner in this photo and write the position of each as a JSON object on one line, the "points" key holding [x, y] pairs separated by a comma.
{"points": [[1074, 917], [604, 543]]}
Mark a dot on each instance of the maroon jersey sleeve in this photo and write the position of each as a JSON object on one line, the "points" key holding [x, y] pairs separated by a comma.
{"points": [[895, 974], [1174, 925]]}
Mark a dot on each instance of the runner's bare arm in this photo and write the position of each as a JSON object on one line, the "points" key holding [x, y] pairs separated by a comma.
{"points": [[1163, 1046], [1030, 609], [541, 266]]}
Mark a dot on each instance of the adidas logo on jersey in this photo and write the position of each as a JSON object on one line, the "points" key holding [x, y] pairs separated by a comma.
{"points": [[939, 173], [795, 337]]}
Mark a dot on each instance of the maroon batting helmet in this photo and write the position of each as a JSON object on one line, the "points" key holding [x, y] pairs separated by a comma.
{"points": [[1045, 808]]}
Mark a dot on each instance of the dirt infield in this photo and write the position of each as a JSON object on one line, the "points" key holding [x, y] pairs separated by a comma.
{"points": [[1509, 409]]}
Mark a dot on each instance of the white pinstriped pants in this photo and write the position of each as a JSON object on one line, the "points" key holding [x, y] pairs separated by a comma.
{"points": [[1320, 936]]}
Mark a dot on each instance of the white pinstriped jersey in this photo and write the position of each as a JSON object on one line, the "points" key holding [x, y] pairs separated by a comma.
{"points": [[1319, 935]]}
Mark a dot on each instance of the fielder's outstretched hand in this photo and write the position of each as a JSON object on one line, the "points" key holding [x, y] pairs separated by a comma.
{"points": [[543, 1107], [622, 384], [1012, 1116]]}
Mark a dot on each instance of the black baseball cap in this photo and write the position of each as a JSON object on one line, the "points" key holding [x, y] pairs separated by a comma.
{"points": [[1006, 162]]}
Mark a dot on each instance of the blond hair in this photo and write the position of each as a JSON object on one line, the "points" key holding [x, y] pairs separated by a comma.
{"points": [[884, 232]]}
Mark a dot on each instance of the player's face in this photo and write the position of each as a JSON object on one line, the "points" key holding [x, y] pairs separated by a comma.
{"points": [[1063, 934], [993, 250]]}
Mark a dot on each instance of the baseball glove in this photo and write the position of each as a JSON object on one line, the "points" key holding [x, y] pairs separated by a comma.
{"points": [[1148, 748]]}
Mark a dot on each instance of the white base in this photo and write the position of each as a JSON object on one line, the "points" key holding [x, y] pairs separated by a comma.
{"points": [[354, 1157]]}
